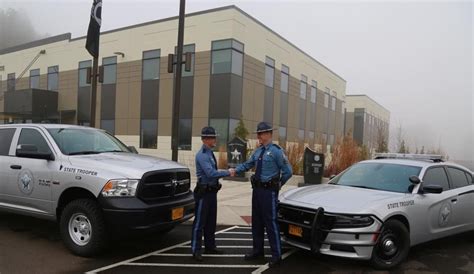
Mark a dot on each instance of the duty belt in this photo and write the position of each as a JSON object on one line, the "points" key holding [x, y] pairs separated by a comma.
{"points": [[274, 183], [201, 188]]}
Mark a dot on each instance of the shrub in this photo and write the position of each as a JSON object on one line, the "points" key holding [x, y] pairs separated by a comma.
{"points": [[295, 153], [346, 153]]}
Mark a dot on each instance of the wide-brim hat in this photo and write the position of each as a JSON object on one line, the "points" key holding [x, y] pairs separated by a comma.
{"points": [[208, 132], [264, 127]]}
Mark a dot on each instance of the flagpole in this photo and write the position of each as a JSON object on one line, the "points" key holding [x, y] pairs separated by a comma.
{"points": [[177, 85], [95, 66]]}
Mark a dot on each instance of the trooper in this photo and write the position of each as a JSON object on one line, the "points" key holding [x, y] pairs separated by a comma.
{"points": [[272, 170], [205, 196]]}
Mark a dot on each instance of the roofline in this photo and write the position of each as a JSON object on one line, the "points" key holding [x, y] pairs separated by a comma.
{"points": [[67, 36], [365, 95]]}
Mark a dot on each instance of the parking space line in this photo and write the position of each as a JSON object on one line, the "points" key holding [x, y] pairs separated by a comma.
{"points": [[149, 254], [266, 266], [204, 255], [237, 233], [197, 265]]}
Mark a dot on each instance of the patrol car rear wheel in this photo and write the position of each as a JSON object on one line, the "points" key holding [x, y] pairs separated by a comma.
{"points": [[82, 227], [392, 246]]}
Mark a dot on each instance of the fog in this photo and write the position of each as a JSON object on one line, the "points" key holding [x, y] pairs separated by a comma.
{"points": [[414, 58]]}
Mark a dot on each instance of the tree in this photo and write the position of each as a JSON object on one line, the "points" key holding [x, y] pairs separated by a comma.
{"points": [[403, 148], [422, 150], [241, 131], [381, 138], [16, 28]]}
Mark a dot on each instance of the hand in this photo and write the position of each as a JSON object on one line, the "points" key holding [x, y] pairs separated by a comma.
{"points": [[232, 172]]}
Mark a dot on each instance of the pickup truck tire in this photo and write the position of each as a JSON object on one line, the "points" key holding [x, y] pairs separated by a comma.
{"points": [[82, 227], [392, 246]]}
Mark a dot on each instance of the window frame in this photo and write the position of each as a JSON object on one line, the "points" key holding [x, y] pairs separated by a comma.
{"points": [[450, 187], [451, 181], [232, 47], [270, 64], [105, 65], [151, 58], [46, 140], [56, 67], [35, 76], [11, 141], [11, 77]]}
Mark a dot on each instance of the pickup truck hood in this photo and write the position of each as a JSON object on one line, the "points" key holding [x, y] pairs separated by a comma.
{"points": [[126, 165], [340, 199]]}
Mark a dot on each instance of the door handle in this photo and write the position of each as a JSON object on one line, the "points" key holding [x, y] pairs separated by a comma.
{"points": [[15, 167], [454, 200]]}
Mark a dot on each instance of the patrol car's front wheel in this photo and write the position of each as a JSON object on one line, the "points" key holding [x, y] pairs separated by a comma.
{"points": [[82, 227], [392, 246]]}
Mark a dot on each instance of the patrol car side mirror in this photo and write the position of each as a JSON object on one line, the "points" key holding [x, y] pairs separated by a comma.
{"points": [[133, 149], [435, 189], [31, 151], [415, 180]]}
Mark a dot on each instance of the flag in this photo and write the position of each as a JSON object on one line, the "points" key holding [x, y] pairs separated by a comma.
{"points": [[93, 33]]}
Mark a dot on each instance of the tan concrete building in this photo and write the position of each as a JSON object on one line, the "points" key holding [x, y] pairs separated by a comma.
{"points": [[367, 120], [241, 68]]}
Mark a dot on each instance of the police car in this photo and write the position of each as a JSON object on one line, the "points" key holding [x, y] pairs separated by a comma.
{"points": [[90, 183], [377, 209]]}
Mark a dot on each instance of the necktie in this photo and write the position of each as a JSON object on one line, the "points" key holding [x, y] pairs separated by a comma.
{"points": [[258, 170]]}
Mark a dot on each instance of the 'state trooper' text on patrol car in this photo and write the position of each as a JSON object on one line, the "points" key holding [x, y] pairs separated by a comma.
{"points": [[90, 182], [377, 209]]}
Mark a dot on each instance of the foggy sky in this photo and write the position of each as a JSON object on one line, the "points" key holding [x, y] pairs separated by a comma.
{"points": [[414, 58]]}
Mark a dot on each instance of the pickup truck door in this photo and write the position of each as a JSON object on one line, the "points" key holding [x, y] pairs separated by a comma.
{"points": [[29, 180], [6, 137]]}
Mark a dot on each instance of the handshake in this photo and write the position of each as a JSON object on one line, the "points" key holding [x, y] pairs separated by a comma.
{"points": [[232, 172]]}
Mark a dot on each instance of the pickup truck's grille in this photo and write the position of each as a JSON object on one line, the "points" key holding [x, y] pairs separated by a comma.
{"points": [[164, 184]]}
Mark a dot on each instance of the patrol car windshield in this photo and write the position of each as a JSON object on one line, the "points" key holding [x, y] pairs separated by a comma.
{"points": [[76, 141], [379, 176]]}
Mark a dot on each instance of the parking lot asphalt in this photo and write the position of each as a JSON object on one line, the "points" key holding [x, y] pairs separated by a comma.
{"points": [[29, 245]]}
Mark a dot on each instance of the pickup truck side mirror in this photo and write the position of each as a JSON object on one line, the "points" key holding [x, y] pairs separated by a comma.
{"points": [[133, 149], [31, 151], [435, 189]]}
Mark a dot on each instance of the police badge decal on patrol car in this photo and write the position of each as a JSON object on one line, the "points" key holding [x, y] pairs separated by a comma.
{"points": [[26, 182]]}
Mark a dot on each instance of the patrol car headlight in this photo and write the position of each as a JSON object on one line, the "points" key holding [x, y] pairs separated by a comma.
{"points": [[352, 221], [120, 188]]}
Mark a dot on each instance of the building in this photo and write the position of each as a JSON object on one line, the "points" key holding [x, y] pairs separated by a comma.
{"points": [[367, 121], [241, 69]]}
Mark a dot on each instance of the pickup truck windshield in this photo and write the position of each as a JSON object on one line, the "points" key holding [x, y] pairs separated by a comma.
{"points": [[77, 141], [379, 176]]}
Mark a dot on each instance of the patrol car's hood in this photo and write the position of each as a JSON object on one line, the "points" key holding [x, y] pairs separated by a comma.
{"points": [[128, 165], [339, 199]]}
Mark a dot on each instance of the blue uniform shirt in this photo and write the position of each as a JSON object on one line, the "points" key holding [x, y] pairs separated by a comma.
{"points": [[206, 167], [274, 162]]}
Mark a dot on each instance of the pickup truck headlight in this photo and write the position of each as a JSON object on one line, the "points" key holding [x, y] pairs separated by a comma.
{"points": [[120, 188], [352, 221]]}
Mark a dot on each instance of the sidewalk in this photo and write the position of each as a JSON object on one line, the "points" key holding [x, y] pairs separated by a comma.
{"points": [[234, 201]]}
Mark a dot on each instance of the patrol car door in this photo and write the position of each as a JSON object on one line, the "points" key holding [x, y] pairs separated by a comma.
{"points": [[29, 184], [462, 203], [6, 137], [440, 206]]}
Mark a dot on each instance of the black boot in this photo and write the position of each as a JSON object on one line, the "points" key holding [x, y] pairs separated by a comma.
{"points": [[253, 256], [274, 263], [197, 256]]}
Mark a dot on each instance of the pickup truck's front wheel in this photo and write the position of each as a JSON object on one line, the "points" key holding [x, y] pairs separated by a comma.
{"points": [[83, 228]]}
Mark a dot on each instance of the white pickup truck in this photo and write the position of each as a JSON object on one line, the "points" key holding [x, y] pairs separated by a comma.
{"points": [[90, 183]]}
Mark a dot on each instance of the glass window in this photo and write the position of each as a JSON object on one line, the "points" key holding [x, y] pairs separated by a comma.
{"points": [[380, 176], [110, 69], [227, 57], [83, 73], [53, 73], [436, 176], [185, 134], [148, 133], [108, 125], [283, 109], [303, 87], [30, 136], [34, 78], [311, 135], [331, 139], [282, 135], [324, 138], [151, 65], [301, 134], [223, 130], [313, 94], [458, 177], [11, 82], [85, 141], [6, 136], [269, 72], [326, 100], [285, 74], [469, 178], [333, 103]]}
